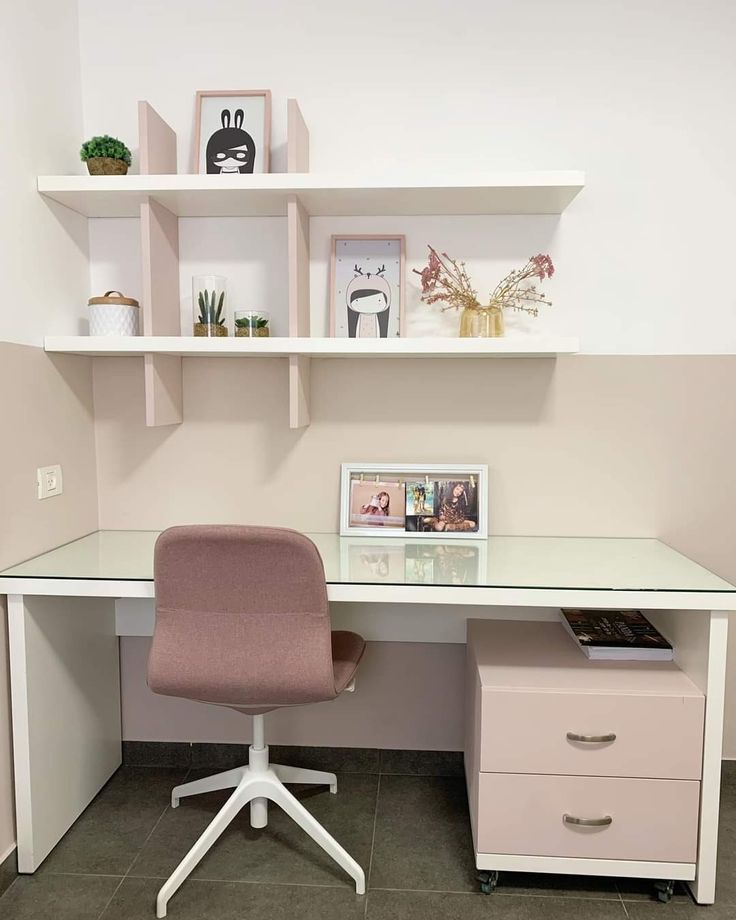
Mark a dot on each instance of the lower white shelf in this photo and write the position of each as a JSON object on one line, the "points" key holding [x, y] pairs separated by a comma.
{"points": [[276, 347]]}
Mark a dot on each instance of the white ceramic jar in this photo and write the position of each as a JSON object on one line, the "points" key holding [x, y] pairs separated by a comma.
{"points": [[113, 314]]}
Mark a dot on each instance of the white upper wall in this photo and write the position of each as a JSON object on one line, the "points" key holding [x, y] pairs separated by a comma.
{"points": [[43, 248], [635, 92]]}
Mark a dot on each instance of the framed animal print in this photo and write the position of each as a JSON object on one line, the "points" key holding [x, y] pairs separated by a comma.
{"points": [[367, 287], [232, 132], [422, 501]]}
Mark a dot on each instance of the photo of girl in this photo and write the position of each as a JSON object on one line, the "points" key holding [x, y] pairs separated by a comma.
{"points": [[377, 504], [420, 497], [457, 508]]}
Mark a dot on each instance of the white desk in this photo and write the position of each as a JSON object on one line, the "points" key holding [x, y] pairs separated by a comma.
{"points": [[64, 655]]}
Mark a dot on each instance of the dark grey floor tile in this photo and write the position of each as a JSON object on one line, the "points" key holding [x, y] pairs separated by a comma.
{"points": [[422, 905], [537, 884], [218, 756], [335, 760], [683, 910], [422, 763], [150, 785], [202, 900], [104, 840], [642, 889], [281, 852], [157, 753], [422, 838], [108, 835], [728, 773], [8, 871], [57, 897]]}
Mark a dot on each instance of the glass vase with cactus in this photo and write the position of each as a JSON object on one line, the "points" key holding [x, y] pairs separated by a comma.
{"points": [[445, 280], [252, 323], [208, 299]]}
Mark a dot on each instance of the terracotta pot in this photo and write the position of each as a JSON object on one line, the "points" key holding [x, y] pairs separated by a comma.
{"points": [[106, 166]]}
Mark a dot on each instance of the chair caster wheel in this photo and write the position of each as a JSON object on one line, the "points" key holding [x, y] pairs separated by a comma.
{"points": [[664, 891], [488, 881]]}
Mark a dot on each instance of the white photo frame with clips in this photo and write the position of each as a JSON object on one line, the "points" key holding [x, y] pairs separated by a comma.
{"points": [[447, 501]]}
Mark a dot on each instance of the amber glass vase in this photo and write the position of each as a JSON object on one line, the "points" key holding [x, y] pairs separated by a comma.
{"points": [[481, 322]]}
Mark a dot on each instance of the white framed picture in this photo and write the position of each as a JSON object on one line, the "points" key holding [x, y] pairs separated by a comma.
{"points": [[367, 286], [232, 132], [425, 501]]}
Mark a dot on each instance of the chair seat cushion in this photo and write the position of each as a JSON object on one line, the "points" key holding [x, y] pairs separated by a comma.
{"points": [[347, 650]]}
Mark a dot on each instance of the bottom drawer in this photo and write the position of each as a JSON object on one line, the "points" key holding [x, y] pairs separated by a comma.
{"points": [[650, 819]]}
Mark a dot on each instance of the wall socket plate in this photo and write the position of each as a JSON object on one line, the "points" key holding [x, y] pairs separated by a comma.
{"points": [[50, 481]]}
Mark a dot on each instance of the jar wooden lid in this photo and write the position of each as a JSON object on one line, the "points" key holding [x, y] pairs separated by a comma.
{"points": [[115, 298]]}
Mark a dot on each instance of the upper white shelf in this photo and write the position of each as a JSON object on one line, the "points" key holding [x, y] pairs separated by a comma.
{"points": [[322, 194], [189, 346]]}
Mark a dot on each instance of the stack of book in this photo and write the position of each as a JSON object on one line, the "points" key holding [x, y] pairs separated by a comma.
{"points": [[616, 635]]}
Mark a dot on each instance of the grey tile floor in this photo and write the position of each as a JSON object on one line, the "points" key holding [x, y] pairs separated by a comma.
{"points": [[411, 833]]}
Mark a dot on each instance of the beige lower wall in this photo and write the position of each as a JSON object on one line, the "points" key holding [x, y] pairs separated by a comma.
{"points": [[408, 695], [46, 417], [591, 445]]}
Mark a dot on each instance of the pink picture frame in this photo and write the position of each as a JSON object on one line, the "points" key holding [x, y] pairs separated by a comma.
{"points": [[229, 95], [397, 327]]}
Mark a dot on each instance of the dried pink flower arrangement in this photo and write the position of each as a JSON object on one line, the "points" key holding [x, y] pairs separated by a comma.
{"points": [[445, 279]]}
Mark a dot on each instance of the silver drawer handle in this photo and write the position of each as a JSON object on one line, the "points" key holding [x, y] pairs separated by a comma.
{"points": [[592, 739], [588, 822]]}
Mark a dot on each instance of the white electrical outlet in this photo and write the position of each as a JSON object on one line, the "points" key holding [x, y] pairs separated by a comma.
{"points": [[50, 482]]}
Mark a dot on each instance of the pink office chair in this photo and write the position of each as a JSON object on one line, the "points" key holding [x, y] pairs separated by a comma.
{"points": [[242, 620]]}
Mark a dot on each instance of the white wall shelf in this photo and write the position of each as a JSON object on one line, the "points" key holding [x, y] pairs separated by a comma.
{"points": [[286, 347], [321, 194], [159, 196]]}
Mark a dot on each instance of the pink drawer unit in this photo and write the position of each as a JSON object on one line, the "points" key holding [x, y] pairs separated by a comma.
{"points": [[626, 819], [575, 765]]}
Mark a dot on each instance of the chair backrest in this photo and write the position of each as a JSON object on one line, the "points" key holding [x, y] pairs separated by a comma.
{"points": [[242, 617]]}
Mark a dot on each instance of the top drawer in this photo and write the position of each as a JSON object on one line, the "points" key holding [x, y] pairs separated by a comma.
{"points": [[536, 732], [538, 704]]}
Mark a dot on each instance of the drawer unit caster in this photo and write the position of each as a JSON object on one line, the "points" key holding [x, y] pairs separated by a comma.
{"points": [[664, 891], [488, 881]]}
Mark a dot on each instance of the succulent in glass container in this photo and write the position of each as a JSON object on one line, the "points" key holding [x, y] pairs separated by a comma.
{"points": [[211, 317], [252, 324]]}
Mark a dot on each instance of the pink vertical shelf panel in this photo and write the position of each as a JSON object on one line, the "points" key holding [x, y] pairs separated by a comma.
{"points": [[298, 234], [160, 252]]}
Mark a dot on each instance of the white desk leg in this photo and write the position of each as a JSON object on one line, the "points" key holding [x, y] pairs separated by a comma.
{"points": [[65, 688], [700, 641], [704, 886]]}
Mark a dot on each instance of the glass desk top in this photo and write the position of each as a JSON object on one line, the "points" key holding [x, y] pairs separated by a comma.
{"points": [[592, 563]]}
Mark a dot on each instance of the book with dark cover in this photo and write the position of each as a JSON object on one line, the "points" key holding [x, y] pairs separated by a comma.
{"points": [[616, 635]]}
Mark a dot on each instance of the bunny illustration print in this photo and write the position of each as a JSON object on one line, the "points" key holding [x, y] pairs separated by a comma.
{"points": [[367, 286], [231, 149], [232, 132]]}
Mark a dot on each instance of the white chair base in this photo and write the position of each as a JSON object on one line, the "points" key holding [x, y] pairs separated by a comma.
{"points": [[254, 785]]}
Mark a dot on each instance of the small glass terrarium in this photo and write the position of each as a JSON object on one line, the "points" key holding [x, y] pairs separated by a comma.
{"points": [[252, 323], [208, 305]]}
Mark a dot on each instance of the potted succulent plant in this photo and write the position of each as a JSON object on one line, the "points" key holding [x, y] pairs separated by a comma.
{"points": [[252, 324], [105, 156], [211, 316]]}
